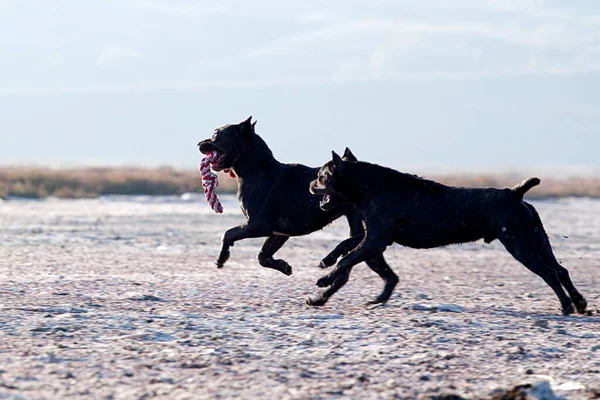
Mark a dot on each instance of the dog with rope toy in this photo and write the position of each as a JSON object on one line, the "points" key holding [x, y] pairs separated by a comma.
{"points": [[422, 214], [274, 197]]}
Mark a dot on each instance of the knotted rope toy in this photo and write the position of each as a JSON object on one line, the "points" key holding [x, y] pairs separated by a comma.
{"points": [[210, 181]]}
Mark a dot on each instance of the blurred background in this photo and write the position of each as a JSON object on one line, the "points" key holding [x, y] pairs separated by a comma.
{"points": [[481, 92]]}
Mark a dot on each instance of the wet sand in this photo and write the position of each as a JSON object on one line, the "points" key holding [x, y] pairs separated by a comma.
{"points": [[119, 298]]}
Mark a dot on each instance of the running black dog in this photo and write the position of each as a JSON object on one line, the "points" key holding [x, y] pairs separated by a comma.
{"points": [[421, 214], [274, 197]]}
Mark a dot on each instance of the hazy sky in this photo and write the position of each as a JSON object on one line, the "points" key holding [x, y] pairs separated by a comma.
{"points": [[411, 84]]}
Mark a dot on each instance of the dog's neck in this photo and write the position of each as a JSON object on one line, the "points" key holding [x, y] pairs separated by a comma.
{"points": [[356, 181], [350, 187], [258, 158]]}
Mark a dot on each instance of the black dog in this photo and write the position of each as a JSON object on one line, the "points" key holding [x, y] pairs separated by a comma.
{"points": [[420, 213], [274, 198]]}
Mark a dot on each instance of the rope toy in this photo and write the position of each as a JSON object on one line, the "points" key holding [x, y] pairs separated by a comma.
{"points": [[210, 181]]}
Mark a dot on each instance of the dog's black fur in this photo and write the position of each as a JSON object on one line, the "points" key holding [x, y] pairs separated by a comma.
{"points": [[274, 197], [420, 213]]}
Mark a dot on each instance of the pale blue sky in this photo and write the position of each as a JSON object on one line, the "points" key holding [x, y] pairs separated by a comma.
{"points": [[415, 84]]}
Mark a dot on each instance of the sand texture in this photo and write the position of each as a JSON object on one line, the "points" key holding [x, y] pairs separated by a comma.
{"points": [[119, 298]]}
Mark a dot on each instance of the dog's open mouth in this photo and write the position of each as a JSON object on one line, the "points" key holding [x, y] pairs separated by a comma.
{"points": [[219, 163], [222, 162], [325, 201]]}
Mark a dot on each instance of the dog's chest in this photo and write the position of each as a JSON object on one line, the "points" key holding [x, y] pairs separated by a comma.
{"points": [[243, 207], [252, 198]]}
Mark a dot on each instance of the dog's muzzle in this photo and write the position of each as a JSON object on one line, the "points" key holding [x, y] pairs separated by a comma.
{"points": [[206, 146], [315, 188]]}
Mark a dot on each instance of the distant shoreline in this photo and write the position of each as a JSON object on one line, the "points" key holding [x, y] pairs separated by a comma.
{"points": [[74, 183]]}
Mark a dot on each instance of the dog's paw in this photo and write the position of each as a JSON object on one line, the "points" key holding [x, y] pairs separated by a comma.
{"points": [[222, 259], [581, 305], [316, 300], [373, 304], [283, 267], [568, 309], [325, 281], [376, 301]]}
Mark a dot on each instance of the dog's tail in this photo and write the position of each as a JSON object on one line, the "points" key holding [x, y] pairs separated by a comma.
{"points": [[521, 188]]}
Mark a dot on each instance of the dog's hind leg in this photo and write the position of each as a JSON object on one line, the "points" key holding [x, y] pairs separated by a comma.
{"points": [[380, 266], [550, 260], [563, 275], [524, 250], [234, 234], [270, 247]]}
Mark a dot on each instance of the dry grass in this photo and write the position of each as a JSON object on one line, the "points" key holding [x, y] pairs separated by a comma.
{"points": [[588, 186], [38, 182]]}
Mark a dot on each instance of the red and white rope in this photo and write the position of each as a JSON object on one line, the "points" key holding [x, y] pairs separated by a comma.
{"points": [[210, 181]]}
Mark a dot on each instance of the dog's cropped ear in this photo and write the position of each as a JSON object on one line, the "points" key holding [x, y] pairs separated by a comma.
{"points": [[337, 160], [246, 127], [254, 127], [349, 156]]}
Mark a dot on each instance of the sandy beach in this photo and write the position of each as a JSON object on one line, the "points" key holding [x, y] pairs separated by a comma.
{"points": [[119, 298]]}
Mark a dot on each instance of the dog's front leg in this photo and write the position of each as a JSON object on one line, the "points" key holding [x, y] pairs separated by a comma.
{"points": [[341, 250], [370, 247], [364, 252], [229, 238], [340, 275]]}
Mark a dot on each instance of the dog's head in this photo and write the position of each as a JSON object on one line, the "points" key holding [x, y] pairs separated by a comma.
{"points": [[327, 182], [231, 141]]}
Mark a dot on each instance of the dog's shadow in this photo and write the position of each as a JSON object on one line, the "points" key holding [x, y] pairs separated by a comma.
{"points": [[593, 317]]}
